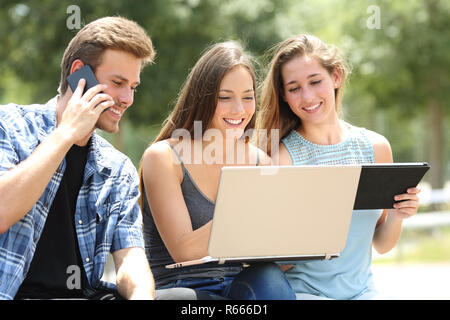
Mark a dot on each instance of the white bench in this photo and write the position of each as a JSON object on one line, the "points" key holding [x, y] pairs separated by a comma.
{"points": [[428, 220]]}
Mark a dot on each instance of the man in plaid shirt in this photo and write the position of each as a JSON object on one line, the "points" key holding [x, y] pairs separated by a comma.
{"points": [[67, 197]]}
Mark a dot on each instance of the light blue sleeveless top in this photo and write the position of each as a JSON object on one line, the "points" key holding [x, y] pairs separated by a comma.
{"points": [[348, 276]]}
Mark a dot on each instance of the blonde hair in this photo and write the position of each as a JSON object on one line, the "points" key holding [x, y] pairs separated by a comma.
{"points": [[274, 112], [94, 38]]}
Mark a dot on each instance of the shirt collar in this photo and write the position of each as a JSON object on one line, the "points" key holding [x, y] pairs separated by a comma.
{"points": [[96, 157], [48, 118]]}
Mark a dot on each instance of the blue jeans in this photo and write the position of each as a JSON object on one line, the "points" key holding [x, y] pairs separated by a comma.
{"points": [[260, 281]]}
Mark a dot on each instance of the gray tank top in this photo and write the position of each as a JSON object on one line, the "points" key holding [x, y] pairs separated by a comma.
{"points": [[201, 210]]}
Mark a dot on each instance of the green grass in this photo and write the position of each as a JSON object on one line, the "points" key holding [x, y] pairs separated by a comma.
{"points": [[420, 246]]}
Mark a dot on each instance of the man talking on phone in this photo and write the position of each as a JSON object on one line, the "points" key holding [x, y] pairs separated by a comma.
{"points": [[67, 197]]}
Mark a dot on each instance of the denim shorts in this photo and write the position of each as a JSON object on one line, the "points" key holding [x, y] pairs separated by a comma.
{"points": [[260, 281], [215, 287]]}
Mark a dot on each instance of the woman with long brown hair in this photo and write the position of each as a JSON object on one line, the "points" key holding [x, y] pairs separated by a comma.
{"points": [[209, 128]]}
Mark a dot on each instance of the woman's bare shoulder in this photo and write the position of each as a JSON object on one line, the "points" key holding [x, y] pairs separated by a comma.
{"points": [[381, 147], [159, 159]]}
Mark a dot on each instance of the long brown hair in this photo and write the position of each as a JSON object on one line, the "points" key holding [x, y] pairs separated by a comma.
{"points": [[198, 97], [274, 112]]}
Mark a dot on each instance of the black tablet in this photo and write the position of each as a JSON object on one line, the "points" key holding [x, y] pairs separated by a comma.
{"points": [[379, 183]]}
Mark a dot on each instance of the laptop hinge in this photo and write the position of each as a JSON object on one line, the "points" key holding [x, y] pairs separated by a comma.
{"points": [[221, 261], [327, 256]]}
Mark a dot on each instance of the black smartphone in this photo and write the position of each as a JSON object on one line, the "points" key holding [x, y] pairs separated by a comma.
{"points": [[86, 73]]}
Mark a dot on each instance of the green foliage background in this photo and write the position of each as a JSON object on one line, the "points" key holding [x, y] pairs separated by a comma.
{"points": [[399, 86]]}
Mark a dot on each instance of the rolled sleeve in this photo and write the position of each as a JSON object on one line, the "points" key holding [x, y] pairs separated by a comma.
{"points": [[8, 155], [128, 231]]}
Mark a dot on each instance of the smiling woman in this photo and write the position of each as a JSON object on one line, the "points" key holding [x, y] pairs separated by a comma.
{"points": [[235, 103], [308, 88], [301, 97], [219, 94]]}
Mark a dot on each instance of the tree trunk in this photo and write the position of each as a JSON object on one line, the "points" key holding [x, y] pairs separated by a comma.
{"points": [[436, 143], [436, 114]]}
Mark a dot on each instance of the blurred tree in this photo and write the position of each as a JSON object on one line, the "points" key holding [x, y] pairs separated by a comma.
{"points": [[35, 33], [400, 57], [404, 65]]}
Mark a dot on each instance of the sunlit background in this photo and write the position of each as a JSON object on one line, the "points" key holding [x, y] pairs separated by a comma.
{"points": [[399, 86]]}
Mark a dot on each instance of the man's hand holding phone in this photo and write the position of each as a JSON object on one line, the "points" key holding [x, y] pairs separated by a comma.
{"points": [[83, 110], [32, 175]]}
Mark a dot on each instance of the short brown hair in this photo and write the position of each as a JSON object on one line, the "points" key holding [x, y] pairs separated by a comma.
{"points": [[94, 38]]}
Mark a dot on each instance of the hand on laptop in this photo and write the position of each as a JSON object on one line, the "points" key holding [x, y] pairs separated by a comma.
{"points": [[286, 267]]}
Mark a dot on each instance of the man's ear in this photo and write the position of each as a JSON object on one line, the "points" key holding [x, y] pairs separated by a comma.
{"points": [[76, 64]]}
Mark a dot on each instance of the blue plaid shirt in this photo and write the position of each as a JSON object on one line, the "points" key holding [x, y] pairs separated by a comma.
{"points": [[107, 214]]}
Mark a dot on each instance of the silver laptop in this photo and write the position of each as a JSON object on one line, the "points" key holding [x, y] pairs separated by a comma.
{"points": [[281, 213]]}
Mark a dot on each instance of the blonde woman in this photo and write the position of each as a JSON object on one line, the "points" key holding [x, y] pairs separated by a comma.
{"points": [[301, 97]]}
